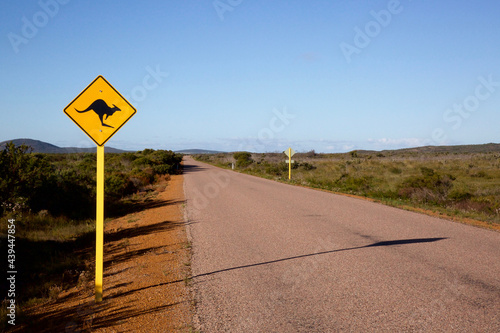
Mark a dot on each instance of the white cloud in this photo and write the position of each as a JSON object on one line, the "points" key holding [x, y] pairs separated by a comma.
{"points": [[388, 143]]}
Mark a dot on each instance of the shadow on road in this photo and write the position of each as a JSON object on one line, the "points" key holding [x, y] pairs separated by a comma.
{"points": [[189, 168], [377, 244]]}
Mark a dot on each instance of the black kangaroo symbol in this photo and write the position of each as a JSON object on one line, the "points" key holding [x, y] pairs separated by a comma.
{"points": [[101, 109]]}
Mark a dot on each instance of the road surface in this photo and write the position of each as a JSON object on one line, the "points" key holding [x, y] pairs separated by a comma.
{"points": [[271, 257]]}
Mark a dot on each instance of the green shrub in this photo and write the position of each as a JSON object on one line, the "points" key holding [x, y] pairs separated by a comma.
{"points": [[64, 184], [87, 163], [163, 169], [142, 177], [128, 156], [202, 157], [480, 174], [117, 185], [395, 170], [459, 195], [66, 192], [274, 169], [142, 161], [460, 192], [23, 178], [166, 161], [243, 159], [161, 161], [350, 183], [306, 166], [429, 187]]}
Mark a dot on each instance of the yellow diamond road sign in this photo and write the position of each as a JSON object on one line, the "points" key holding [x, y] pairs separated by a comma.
{"points": [[100, 111]]}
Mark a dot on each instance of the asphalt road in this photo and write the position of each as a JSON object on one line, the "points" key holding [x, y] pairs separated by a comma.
{"points": [[270, 257]]}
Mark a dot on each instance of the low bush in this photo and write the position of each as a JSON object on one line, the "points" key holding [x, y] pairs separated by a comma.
{"points": [[306, 166], [429, 187], [64, 184], [243, 159], [118, 184], [354, 184]]}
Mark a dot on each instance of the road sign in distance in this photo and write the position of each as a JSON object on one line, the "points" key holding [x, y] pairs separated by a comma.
{"points": [[289, 152]]}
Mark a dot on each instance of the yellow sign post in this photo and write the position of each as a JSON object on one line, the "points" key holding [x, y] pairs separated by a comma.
{"points": [[100, 111], [99, 228], [289, 152]]}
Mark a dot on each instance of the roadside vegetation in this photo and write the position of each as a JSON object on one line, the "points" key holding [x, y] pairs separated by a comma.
{"points": [[52, 199], [456, 184]]}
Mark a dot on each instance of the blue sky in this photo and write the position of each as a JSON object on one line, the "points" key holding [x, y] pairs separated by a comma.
{"points": [[257, 75]]}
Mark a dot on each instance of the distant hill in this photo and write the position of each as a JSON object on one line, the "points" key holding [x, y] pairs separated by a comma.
{"points": [[48, 148], [198, 151], [483, 148], [458, 149]]}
